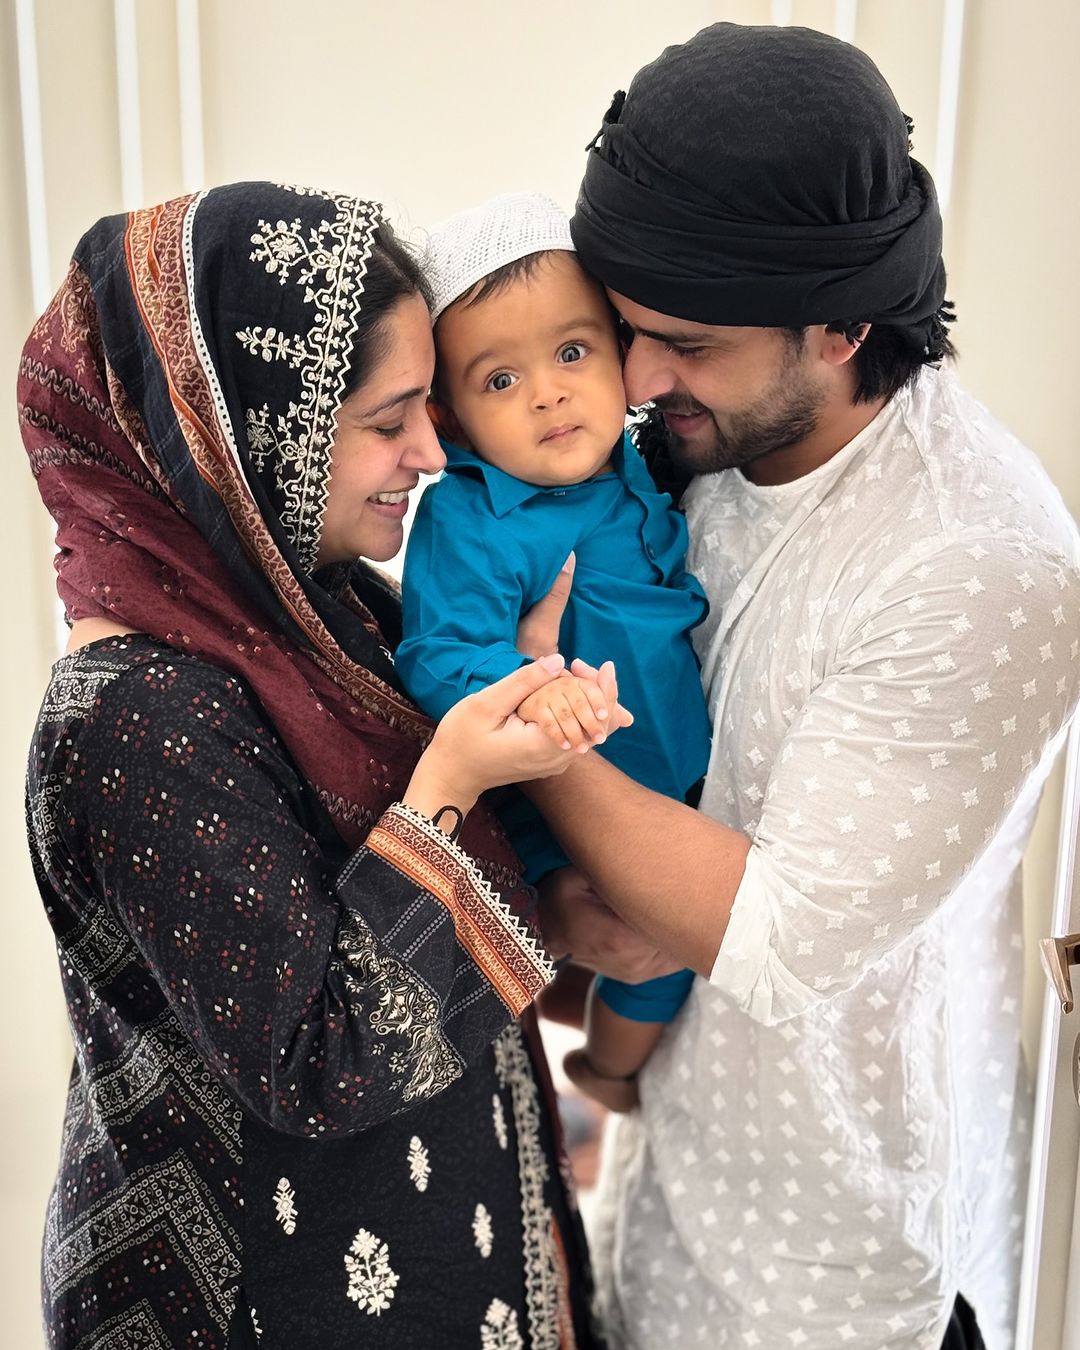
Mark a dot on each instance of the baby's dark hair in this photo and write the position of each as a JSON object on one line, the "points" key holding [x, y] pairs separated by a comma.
{"points": [[520, 269]]}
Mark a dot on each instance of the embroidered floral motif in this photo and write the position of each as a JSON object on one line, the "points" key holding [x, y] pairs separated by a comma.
{"points": [[327, 263], [482, 1233], [371, 1280], [285, 1204], [498, 1119], [401, 1005], [419, 1167], [500, 1329]]}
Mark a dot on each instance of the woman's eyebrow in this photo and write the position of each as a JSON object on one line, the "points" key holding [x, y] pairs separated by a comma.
{"points": [[394, 399]]}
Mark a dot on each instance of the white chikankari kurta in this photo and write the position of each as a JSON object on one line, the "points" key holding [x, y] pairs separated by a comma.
{"points": [[833, 1134]]}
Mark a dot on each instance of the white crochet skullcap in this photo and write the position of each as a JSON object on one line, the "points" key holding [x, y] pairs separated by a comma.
{"points": [[471, 245]]}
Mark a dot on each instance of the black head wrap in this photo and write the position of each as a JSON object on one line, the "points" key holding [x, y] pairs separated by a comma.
{"points": [[762, 177]]}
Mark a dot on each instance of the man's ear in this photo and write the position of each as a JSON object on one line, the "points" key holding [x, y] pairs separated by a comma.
{"points": [[839, 346], [446, 424]]}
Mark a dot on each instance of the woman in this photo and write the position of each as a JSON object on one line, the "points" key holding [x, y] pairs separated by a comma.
{"points": [[302, 1112]]}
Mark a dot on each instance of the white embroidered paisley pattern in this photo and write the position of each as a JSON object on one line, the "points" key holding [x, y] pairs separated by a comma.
{"points": [[372, 1281]]}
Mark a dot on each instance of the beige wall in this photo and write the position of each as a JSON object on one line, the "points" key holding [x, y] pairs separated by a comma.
{"points": [[431, 106]]}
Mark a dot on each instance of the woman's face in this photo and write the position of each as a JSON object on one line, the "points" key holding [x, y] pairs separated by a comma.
{"points": [[384, 441]]}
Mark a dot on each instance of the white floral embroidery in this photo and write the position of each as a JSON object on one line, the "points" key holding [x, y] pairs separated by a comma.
{"points": [[397, 1003], [285, 1204], [371, 1280], [419, 1167], [498, 1118], [329, 260], [500, 1329], [481, 1227], [255, 1324]]}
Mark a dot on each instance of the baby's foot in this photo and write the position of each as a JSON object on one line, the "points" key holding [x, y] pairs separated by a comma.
{"points": [[617, 1094]]}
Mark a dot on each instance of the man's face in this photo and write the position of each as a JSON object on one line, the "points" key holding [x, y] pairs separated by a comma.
{"points": [[729, 396]]}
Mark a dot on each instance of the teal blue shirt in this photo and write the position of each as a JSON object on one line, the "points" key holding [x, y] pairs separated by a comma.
{"points": [[486, 546]]}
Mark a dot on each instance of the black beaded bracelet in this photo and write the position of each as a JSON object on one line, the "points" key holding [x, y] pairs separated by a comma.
{"points": [[460, 821]]}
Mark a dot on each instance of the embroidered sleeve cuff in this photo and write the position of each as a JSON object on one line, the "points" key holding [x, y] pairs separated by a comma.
{"points": [[502, 947]]}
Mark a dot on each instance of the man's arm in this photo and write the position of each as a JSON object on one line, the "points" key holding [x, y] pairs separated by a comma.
{"points": [[669, 872], [883, 794]]}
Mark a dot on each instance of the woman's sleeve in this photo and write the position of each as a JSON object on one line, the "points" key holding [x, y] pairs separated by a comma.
{"points": [[326, 1003], [900, 769]]}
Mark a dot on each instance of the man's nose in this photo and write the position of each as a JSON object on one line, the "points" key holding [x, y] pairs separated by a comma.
{"points": [[646, 374]]}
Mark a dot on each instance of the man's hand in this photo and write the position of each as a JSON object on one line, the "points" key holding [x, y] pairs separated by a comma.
{"points": [[572, 712], [574, 921], [538, 630]]}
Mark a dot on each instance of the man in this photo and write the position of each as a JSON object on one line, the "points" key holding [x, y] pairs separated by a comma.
{"points": [[830, 1149]]}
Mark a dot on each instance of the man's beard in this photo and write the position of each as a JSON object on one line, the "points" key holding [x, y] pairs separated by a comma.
{"points": [[788, 412]]}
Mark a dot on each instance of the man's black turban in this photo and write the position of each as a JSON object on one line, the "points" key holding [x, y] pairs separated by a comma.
{"points": [[761, 176]]}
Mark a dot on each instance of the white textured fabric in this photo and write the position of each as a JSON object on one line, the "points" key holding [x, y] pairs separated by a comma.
{"points": [[465, 248], [833, 1134]]}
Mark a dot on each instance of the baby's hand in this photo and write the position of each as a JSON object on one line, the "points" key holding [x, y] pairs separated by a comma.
{"points": [[571, 710]]}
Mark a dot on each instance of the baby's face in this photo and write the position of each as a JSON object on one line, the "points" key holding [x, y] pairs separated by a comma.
{"points": [[533, 376]]}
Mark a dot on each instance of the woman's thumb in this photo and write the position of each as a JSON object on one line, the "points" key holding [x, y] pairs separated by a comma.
{"points": [[506, 694]]}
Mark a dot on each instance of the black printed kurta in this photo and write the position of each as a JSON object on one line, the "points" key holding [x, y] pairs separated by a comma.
{"points": [[300, 1113]]}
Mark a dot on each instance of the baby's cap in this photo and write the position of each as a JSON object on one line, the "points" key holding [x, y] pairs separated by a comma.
{"points": [[465, 248]]}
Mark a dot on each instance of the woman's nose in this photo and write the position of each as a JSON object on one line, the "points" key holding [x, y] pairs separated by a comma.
{"points": [[425, 454]]}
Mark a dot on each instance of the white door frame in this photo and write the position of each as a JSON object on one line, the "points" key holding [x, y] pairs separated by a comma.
{"points": [[1052, 1228]]}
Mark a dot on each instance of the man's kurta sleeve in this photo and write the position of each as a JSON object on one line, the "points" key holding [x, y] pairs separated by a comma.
{"points": [[327, 998], [463, 592], [950, 685]]}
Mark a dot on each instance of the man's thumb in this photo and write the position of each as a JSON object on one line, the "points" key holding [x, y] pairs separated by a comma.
{"points": [[553, 604]]}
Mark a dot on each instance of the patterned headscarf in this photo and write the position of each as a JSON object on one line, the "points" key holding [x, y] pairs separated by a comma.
{"points": [[178, 401]]}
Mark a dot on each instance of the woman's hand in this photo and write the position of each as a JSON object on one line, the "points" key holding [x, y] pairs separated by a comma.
{"points": [[481, 743], [575, 921]]}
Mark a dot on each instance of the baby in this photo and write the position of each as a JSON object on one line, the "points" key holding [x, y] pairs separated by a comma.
{"points": [[529, 397]]}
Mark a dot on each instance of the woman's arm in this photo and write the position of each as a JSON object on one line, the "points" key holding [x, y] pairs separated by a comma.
{"points": [[326, 999]]}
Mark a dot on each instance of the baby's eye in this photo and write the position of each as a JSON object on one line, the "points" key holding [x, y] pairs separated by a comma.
{"points": [[573, 351], [501, 380]]}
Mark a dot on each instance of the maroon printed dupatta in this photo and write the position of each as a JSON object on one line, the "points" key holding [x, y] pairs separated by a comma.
{"points": [[178, 401]]}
